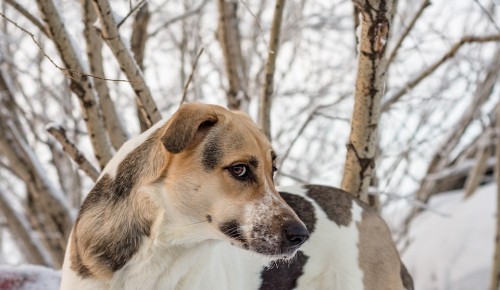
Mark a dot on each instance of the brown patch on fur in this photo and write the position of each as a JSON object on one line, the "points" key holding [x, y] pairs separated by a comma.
{"points": [[284, 275], [378, 258], [335, 202], [115, 217], [189, 120]]}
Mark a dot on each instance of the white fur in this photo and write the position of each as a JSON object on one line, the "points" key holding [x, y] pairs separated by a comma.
{"points": [[332, 251], [128, 147]]}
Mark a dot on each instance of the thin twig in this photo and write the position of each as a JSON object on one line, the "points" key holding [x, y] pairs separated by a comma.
{"points": [[425, 4], [76, 155], [488, 14], [139, 5], [186, 86], [262, 33], [178, 18], [427, 72], [29, 16], [65, 71]]}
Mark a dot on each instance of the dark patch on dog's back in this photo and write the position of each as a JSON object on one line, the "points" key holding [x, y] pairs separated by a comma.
{"points": [[303, 208], [283, 275], [232, 229], [114, 249], [406, 278], [335, 202]]}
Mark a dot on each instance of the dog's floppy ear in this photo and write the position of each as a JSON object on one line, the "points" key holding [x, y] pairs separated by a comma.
{"points": [[189, 120]]}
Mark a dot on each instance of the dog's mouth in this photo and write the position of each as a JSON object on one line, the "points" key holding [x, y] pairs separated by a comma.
{"points": [[282, 244]]}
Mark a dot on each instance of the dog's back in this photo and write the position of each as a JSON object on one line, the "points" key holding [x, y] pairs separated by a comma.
{"points": [[350, 246]]}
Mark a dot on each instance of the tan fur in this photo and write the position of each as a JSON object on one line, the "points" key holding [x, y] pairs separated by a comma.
{"points": [[189, 157], [378, 256]]}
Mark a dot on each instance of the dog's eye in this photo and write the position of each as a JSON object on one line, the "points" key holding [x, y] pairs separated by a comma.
{"points": [[275, 168], [239, 170]]}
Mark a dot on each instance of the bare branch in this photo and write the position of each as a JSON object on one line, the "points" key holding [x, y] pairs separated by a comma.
{"points": [[495, 273], [114, 125], [18, 225], [406, 32], [265, 101], [228, 34], [427, 72], [60, 135], [138, 46], [186, 86], [66, 71], [178, 18], [127, 62], [477, 172], [137, 6], [29, 16]]}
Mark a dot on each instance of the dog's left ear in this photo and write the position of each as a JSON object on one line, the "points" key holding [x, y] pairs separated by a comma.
{"points": [[190, 122]]}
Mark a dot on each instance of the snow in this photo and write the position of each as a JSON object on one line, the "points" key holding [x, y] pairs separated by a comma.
{"points": [[454, 251], [28, 277]]}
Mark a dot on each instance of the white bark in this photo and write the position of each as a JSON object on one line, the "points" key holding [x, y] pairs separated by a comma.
{"points": [[114, 125], [265, 101], [127, 63], [495, 273], [228, 34], [361, 147], [79, 83], [75, 154]]}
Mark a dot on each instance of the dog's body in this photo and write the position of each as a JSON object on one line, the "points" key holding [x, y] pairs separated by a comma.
{"points": [[190, 204]]}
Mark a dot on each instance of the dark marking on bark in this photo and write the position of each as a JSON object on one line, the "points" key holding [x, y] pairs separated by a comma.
{"points": [[303, 208], [335, 202], [364, 163], [284, 275]]}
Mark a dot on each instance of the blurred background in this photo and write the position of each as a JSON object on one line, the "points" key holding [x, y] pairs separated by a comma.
{"points": [[75, 85]]}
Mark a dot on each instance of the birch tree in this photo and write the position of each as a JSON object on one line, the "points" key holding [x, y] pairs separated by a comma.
{"points": [[361, 147]]}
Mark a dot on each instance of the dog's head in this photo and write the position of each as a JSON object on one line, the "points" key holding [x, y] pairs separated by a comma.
{"points": [[219, 170]]}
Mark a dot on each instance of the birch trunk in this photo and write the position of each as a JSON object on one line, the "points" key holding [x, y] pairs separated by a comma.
{"points": [[228, 34], [361, 147], [114, 126], [127, 63], [79, 83], [265, 101], [138, 46], [495, 274]]}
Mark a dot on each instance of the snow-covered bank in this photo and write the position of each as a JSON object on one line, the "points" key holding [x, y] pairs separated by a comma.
{"points": [[28, 277], [453, 250]]}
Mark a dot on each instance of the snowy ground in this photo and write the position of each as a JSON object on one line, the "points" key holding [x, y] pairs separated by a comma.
{"points": [[453, 250], [28, 277]]}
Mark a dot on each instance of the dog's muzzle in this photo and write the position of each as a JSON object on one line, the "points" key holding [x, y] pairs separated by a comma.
{"points": [[295, 234]]}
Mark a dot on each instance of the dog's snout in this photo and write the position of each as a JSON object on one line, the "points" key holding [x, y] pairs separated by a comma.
{"points": [[295, 234]]}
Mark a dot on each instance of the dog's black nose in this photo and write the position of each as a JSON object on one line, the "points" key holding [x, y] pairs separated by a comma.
{"points": [[295, 234]]}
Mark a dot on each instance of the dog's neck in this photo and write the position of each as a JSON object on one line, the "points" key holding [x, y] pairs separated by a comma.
{"points": [[178, 250]]}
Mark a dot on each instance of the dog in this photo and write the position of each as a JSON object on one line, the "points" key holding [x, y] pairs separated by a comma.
{"points": [[191, 204]]}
